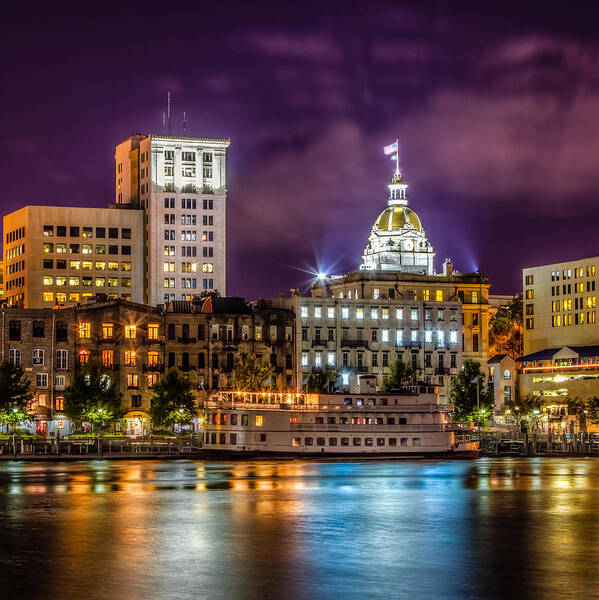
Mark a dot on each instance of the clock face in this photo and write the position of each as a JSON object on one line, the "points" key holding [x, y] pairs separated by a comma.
{"points": [[408, 245]]}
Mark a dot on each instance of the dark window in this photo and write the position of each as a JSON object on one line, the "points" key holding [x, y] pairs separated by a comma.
{"points": [[347, 401], [403, 421], [215, 361], [332, 441], [185, 331], [380, 441], [288, 359], [369, 441], [345, 441], [273, 360], [357, 441], [126, 233], [74, 231], [14, 331], [61, 264], [62, 331], [309, 441], [171, 359], [61, 230], [391, 421], [201, 360], [113, 249], [392, 441], [320, 441], [452, 361], [100, 232], [126, 250], [233, 436], [229, 361], [38, 329], [244, 420], [185, 361], [201, 331], [136, 401], [171, 331], [48, 263], [113, 233], [475, 342]]}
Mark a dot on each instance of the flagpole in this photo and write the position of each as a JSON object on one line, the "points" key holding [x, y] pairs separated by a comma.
{"points": [[397, 158]]}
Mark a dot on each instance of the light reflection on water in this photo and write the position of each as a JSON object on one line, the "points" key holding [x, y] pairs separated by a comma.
{"points": [[492, 528]]}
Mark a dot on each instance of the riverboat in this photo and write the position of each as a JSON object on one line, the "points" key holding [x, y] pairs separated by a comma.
{"points": [[408, 423]]}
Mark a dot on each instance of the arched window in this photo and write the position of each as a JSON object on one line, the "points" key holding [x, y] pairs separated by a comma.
{"points": [[507, 374]]}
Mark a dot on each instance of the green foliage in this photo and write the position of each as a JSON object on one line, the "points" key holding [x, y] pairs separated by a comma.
{"points": [[463, 393], [505, 329], [322, 381], [251, 372], [592, 407], [15, 395], [400, 374], [172, 400], [91, 397]]}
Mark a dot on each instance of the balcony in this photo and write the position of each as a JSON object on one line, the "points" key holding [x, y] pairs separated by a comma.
{"points": [[361, 369], [354, 344], [159, 368], [442, 371], [186, 340], [319, 343]]}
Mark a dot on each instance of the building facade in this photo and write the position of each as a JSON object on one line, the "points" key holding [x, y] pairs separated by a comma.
{"points": [[135, 343], [180, 186], [561, 334], [58, 256]]}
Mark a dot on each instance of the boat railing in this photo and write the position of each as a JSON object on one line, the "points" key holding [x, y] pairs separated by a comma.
{"points": [[265, 406], [350, 428]]}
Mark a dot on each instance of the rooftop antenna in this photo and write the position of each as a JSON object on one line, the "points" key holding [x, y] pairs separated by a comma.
{"points": [[168, 111], [184, 124]]}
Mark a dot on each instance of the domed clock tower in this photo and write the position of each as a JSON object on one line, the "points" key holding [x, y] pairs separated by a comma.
{"points": [[397, 240]]}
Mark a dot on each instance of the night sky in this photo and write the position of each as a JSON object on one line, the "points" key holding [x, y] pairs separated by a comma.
{"points": [[496, 106]]}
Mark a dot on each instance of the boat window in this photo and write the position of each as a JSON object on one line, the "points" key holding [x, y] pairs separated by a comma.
{"points": [[359, 401], [403, 442], [233, 439], [371, 401], [320, 441], [345, 441], [309, 441], [234, 419], [415, 441], [368, 421], [380, 441], [332, 441], [384, 402], [380, 421], [369, 442], [244, 420], [347, 401], [356, 421], [319, 420], [392, 441], [331, 420], [343, 420], [391, 421], [403, 420], [357, 441], [296, 441]]}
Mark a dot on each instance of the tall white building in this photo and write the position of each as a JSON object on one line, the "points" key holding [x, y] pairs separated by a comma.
{"points": [[180, 184]]}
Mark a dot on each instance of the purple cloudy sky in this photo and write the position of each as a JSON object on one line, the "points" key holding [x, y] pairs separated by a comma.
{"points": [[496, 106]]}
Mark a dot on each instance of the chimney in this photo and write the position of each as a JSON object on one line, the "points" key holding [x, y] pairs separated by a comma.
{"points": [[447, 267]]}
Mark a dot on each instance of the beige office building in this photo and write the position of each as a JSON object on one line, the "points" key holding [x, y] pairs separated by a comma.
{"points": [[56, 255], [561, 334], [180, 185]]}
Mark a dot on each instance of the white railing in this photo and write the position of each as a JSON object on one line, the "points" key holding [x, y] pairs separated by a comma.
{"points": [[393, 408]]}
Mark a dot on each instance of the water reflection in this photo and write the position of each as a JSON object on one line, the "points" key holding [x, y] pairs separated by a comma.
{"points": [[264, 529]]}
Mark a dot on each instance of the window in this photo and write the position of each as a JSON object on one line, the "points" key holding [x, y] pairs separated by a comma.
{"points": [[14, 356], [38, 329], [426, 295], [41, 381], [507, 374], [108, 358], [530, 294], [304, 311], [414, 314], [61, 359], [507, 394], [345, 312], [259, 420], [130, 332], [84, 330], [38, 356], [83, 357], [439, 295], [475, 342], [132, 380], [474, 297], [107, 331], [331, 312], [129, 358]]}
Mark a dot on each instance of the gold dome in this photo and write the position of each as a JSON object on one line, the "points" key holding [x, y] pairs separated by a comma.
{"points": [[395, 218]]}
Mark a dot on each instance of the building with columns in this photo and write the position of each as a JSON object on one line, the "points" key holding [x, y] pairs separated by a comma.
{"points": [[180, 185]]}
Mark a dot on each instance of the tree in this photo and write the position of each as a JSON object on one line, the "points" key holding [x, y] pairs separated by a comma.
{"points": [[466, 386], [529, 410], [172, 400], [400, 374], [91, 397], [592, 408], [15, 395], [251, 372], [322, 381], [505, 329]]}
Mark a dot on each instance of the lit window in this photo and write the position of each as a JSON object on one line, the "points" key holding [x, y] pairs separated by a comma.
{"points": [[345, 312], [414, 335], [61, 280], [107, 330], [453, 337], [475, 297], [48, 297], [426, 295], [399, 314], [259, 420], [399, 337], [132, 380], [100, 281], [345, 379], [439, 295], [414, 314], [428, 336], [48, 280], [73, 281], [317, 312], [331, 358], [331, 312], [376, 293], [441, 339], [130, 332], [384, 335], [153, 358], [108, 358], [359, 313], [304, 311], [61, 297], [85, 330], [374, 313], [385, 314], [507, 374], [304, 359], [129, 358], [83, 357], [38, 356], [153, 331], [318, 360]]}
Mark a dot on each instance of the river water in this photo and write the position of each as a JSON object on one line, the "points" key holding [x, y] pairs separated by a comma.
{"points": [[490, 528]]}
